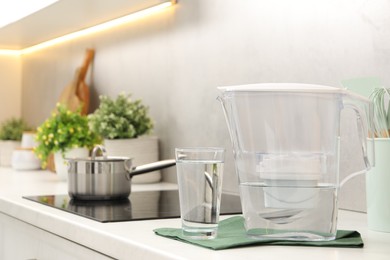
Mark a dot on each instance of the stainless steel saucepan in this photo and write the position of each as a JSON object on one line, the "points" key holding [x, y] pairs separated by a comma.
{"points": [[104, 177]]}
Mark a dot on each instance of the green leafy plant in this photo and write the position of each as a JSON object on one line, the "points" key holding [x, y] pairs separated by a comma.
{"points": [[13, 129], [62, 131], [121, 118]]}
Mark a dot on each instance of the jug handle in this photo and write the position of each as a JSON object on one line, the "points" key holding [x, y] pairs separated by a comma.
{"points": [[225, 113], [362, 129]]}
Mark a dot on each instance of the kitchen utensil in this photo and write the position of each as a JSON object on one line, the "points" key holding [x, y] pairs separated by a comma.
{"points": [[60, 163], [82, 87], [286, 141], [76, 94], [68, 96], [104, 177], [381, 112]]}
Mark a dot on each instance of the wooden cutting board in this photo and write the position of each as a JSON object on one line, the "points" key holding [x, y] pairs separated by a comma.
{"points": [[76, 94], [82, 87]]}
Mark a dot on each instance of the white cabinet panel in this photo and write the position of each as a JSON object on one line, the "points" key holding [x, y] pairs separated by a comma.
{"points": [[19, 240]]}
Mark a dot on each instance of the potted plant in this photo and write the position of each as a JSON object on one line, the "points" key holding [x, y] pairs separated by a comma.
{"points": [[124, 124], [11, 132], [65, 134]]}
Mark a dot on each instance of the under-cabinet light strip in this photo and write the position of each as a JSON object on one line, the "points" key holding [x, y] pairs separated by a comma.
{"points": [[10, 52], [90, 30]]}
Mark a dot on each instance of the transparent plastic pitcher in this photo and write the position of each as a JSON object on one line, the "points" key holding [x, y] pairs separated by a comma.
{"points": [[286, 142]]}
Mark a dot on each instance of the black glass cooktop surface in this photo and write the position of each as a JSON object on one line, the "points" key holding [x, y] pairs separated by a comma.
{"points": [[138, 206]]}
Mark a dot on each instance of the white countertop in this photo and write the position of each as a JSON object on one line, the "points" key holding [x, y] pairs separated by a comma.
{"points": [[136, 239]]}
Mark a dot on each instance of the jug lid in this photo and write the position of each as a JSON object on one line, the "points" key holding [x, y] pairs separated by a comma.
{"points": [[293, 87]]}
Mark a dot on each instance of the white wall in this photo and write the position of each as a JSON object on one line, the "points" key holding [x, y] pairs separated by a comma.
{"points": [[175, 60], [10, 87]]}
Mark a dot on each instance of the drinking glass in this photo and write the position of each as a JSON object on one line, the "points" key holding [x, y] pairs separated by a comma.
{"points": [[199, 173]]}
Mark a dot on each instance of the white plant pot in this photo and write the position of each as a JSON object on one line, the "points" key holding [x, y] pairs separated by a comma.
{"points": [[6, 150], [142, 150], [60, 164], [24, 159], [28, 140]]}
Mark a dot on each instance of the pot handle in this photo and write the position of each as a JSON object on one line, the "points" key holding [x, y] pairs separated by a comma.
{"points": [[128, 167], [132, 171], [96, 149]]}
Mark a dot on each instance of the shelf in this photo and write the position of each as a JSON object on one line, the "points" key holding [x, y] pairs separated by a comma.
{"points": [[64, 17]]}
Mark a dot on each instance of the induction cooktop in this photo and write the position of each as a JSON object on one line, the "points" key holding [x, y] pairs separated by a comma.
{"points": [[143, 205]]}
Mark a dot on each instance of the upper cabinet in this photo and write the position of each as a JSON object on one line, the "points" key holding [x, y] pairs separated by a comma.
{"points": [[64, 17]]}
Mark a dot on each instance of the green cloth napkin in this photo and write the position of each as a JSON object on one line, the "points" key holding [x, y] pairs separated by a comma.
{"points": [[231, 233]]}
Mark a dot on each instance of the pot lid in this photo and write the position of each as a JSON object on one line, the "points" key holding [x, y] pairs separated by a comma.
{"points": [[103, 158], [100, 159]]}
